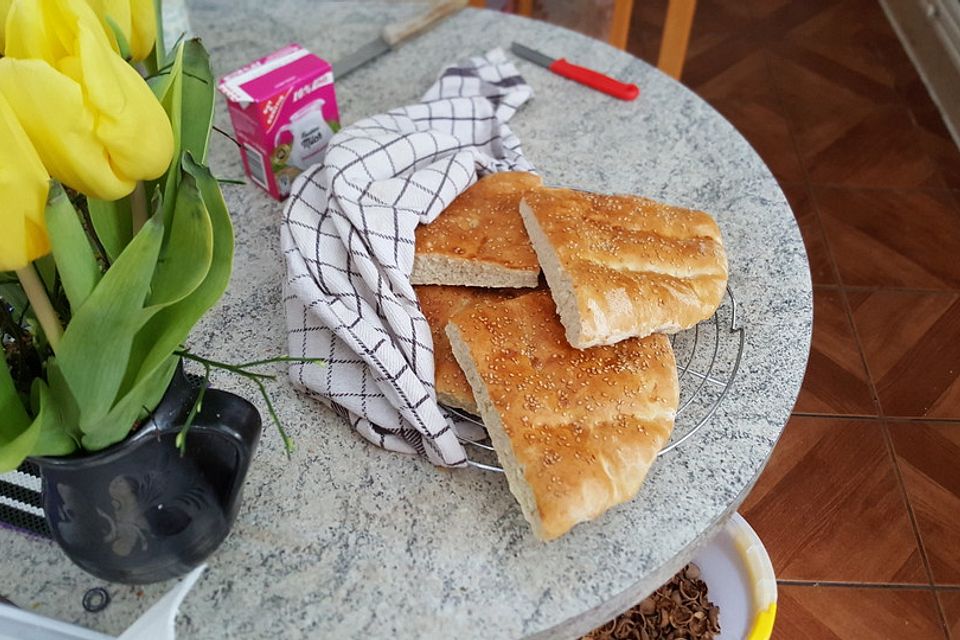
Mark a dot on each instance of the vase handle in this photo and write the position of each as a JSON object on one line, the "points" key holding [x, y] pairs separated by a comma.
{"points": [[234, 420]]}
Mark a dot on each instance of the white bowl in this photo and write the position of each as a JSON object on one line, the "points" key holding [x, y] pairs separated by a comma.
{"points": [[740, 580]]}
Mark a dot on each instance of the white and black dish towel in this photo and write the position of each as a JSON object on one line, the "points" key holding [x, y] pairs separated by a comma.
{"points": [[348, 238]]}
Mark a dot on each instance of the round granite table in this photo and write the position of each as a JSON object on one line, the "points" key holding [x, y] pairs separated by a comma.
{"points": [[347, 541]]}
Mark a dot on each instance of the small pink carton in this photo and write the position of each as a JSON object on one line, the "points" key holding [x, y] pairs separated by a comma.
{"points": [[284, 112]]}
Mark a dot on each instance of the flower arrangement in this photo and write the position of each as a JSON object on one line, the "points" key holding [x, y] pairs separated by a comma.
{"points": [[116, 238]]}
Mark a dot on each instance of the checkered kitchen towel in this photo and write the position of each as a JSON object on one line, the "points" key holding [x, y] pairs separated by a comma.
{"points": [[348, 239]]}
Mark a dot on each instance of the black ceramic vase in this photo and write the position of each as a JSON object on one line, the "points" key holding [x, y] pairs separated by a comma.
{"points": [[139, 512]]}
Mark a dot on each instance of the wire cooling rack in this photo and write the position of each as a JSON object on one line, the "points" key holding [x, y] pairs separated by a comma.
{"points": [[708, 358]]}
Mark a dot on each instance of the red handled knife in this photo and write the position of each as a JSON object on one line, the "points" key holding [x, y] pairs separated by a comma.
{"points": [[583, 75]]}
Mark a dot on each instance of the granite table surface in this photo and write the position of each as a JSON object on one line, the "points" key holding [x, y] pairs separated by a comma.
{"points": [[347, 541]]}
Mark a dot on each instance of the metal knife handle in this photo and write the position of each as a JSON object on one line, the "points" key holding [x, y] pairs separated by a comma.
{"points": [[394, 34], [595, 80]]}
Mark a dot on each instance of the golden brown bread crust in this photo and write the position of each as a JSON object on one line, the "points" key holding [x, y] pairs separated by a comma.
{"points": [[580, 428], [622, 266], [479, 240], [438, 303]]}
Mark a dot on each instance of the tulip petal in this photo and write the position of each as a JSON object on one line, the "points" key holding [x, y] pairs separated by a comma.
{"points": [[131, 122], [29, 33], [50, 107], [4, 10], [23, 191], [144, 20], [119, 12]]}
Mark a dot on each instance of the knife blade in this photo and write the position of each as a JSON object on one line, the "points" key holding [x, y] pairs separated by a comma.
{"points": [[393, 34], [583, 75]]}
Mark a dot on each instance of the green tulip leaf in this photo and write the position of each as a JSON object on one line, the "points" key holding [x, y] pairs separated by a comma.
{"points": [[186, 254], [197, 100], [76, 261], [169, 328], [18, 433], [168, 87], [59, 433], [132, 406], [121, 39], [113, 223], [47, 269], [159, 57], [13, 294], [96, 345]]}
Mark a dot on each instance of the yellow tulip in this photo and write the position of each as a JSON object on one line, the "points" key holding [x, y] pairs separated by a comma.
{"points": [[94, 121], [135, 19], [4, 9], [24, 184]]}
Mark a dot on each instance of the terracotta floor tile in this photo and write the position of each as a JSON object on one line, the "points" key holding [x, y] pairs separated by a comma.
{"points": [[828, 506], [844, 22], [846, 613], [777, 18], [892, 238], [804, 210], [818, 86], [938, 143], [872, 148], [733, 76], [950, 603], [724, 66], [850, 124], [910, 344], [929, 458], [934, 135], [762, 123], [836, 381]]}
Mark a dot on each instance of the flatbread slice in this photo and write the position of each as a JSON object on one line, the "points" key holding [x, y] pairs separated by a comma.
{"points": [[479, 240], [575, 430], [625, 266], [438, 303]]}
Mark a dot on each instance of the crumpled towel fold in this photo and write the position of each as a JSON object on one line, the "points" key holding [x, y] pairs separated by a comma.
{"points": [[348, 238]]}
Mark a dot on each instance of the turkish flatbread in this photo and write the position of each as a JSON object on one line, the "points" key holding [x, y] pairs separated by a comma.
{"points": [[479, 240], [575, 430], [438, 303], [624, 266]]}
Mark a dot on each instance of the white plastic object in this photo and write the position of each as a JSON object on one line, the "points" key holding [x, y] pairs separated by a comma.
{"points": [[740, 580], [157, 623], [17, 624]]}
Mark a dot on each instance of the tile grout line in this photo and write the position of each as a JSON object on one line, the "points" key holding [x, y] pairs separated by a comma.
{"points": [[815, 205], [862, 417], [849, 313], [885, 420], [891, 450], [845, 301], [857, 288], [922, 419], [858, 187], [862, 585], [943, 615], [807, 185]]}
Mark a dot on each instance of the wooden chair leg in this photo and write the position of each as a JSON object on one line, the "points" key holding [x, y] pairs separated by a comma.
{"points": [[525, 7], [676, 36], [620, 24]]}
